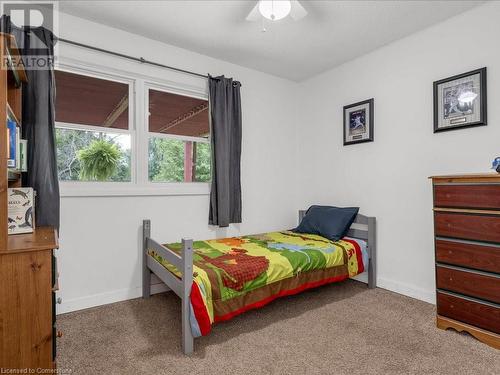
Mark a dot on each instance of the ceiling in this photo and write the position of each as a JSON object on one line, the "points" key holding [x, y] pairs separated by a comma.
{"points": [[90, 101], [179, 115], [98, 102], [332, 33]]}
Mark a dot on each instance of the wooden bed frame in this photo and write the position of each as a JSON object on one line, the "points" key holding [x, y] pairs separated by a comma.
{"points": [[363, 228]]}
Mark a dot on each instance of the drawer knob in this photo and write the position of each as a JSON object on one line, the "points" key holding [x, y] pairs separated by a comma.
{"points": [[451, 278], [59, 334], [451, 306], [59, 300], [450, 252], [35, 266]]}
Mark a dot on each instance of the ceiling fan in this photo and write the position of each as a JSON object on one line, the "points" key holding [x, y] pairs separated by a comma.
{"points": [[275, 10]]}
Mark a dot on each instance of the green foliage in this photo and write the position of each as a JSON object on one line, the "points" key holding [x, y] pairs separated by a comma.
{"points": [[70, 141], [99, 161], [203, 163], [166, 157], [166, 160]]}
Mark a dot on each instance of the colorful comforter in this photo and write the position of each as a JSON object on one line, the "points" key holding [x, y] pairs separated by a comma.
{"points": [[233, 275]]}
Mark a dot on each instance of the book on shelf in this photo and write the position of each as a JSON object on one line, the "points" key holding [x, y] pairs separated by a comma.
{"points": [[17, 147], [23, 147], [12, 131], [20, 210]]}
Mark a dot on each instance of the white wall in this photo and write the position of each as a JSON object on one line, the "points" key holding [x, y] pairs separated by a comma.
{"points": [[388, 177], [100, 253], [99, 256]]}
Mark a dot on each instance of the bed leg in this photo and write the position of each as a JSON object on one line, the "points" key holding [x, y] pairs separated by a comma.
{"points": [[371, 276], [187, 282], [146, 272], [187, 336], [372, 243]]}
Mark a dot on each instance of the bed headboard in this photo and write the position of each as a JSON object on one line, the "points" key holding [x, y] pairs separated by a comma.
{"points": [[364, 228]]}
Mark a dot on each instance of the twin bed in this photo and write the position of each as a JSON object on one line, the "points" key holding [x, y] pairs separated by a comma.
{"points": [[221, 278]]}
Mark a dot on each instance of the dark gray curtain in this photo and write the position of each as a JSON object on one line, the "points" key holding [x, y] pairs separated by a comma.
{"points": [[225, 117], [38, 121]]}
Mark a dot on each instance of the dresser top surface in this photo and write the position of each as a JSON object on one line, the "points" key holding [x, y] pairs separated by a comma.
{"points": [[43, 238], [470, 177]]}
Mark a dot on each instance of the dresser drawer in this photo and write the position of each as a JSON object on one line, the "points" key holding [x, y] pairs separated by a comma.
{"points": [[482, 315], [467, 226], [470, 255], [469, 283], [467, 196]]}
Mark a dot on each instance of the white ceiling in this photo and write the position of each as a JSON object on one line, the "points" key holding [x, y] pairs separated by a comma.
{"points": [[332, 33]]}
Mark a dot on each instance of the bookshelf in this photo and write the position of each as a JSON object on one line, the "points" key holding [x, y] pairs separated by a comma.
{"points": [[28, 267], [11, 79]]}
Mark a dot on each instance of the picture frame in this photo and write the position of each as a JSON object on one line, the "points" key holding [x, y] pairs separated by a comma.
{"points": [[460, 101], [358, 122]]}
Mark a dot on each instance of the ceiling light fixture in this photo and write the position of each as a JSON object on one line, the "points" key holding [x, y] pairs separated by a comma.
{"points": [[274, 10]]}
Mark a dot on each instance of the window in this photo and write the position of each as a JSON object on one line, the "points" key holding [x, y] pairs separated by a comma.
{"points": [[93, 137], [179, 148], [101, 152]]}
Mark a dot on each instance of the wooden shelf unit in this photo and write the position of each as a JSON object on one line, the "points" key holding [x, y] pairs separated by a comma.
{"points": [[10, 104], [28, 270]]}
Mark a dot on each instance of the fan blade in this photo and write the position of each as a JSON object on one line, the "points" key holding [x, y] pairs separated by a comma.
{"points": [[254, 14], [297, 12]]}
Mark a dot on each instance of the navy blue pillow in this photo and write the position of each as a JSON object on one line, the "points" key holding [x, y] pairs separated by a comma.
{"points": [[327, 221]]}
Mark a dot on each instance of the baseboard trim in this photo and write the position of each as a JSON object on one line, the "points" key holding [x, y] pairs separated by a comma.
{"points": [[407, 290], [363, 277], [106, 298], [126, 294]]}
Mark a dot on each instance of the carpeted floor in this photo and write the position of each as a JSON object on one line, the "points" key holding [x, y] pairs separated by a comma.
{"points": [[341, 328]]}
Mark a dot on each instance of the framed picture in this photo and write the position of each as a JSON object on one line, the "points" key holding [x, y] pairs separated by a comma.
{"points": [[460, 101], [358, 122]]}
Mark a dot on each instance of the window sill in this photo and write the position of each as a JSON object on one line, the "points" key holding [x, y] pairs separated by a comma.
{"points": [[110, 189]]}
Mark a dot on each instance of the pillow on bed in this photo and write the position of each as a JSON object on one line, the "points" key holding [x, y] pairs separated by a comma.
{"points": [[327, 221]]}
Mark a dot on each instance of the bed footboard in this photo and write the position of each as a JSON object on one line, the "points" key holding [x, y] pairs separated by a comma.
{"points": [[181, 287]]}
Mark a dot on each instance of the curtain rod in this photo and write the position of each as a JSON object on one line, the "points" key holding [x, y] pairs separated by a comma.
{"points": [[138, 59]]}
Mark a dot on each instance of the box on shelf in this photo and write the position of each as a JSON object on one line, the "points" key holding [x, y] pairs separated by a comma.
{"points": [[20, 210]]}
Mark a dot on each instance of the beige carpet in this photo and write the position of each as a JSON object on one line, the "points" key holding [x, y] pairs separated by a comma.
{"points": [[337, 329]]}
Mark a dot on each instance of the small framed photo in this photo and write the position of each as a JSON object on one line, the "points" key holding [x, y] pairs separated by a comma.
{"points": [[358, 122], [460, 101]]}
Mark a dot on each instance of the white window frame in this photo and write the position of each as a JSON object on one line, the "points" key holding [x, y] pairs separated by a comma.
{"points": [[139, 86]]}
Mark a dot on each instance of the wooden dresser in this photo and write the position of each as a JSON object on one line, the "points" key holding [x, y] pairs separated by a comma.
{"points": [[467, 250], [28, 274]]}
